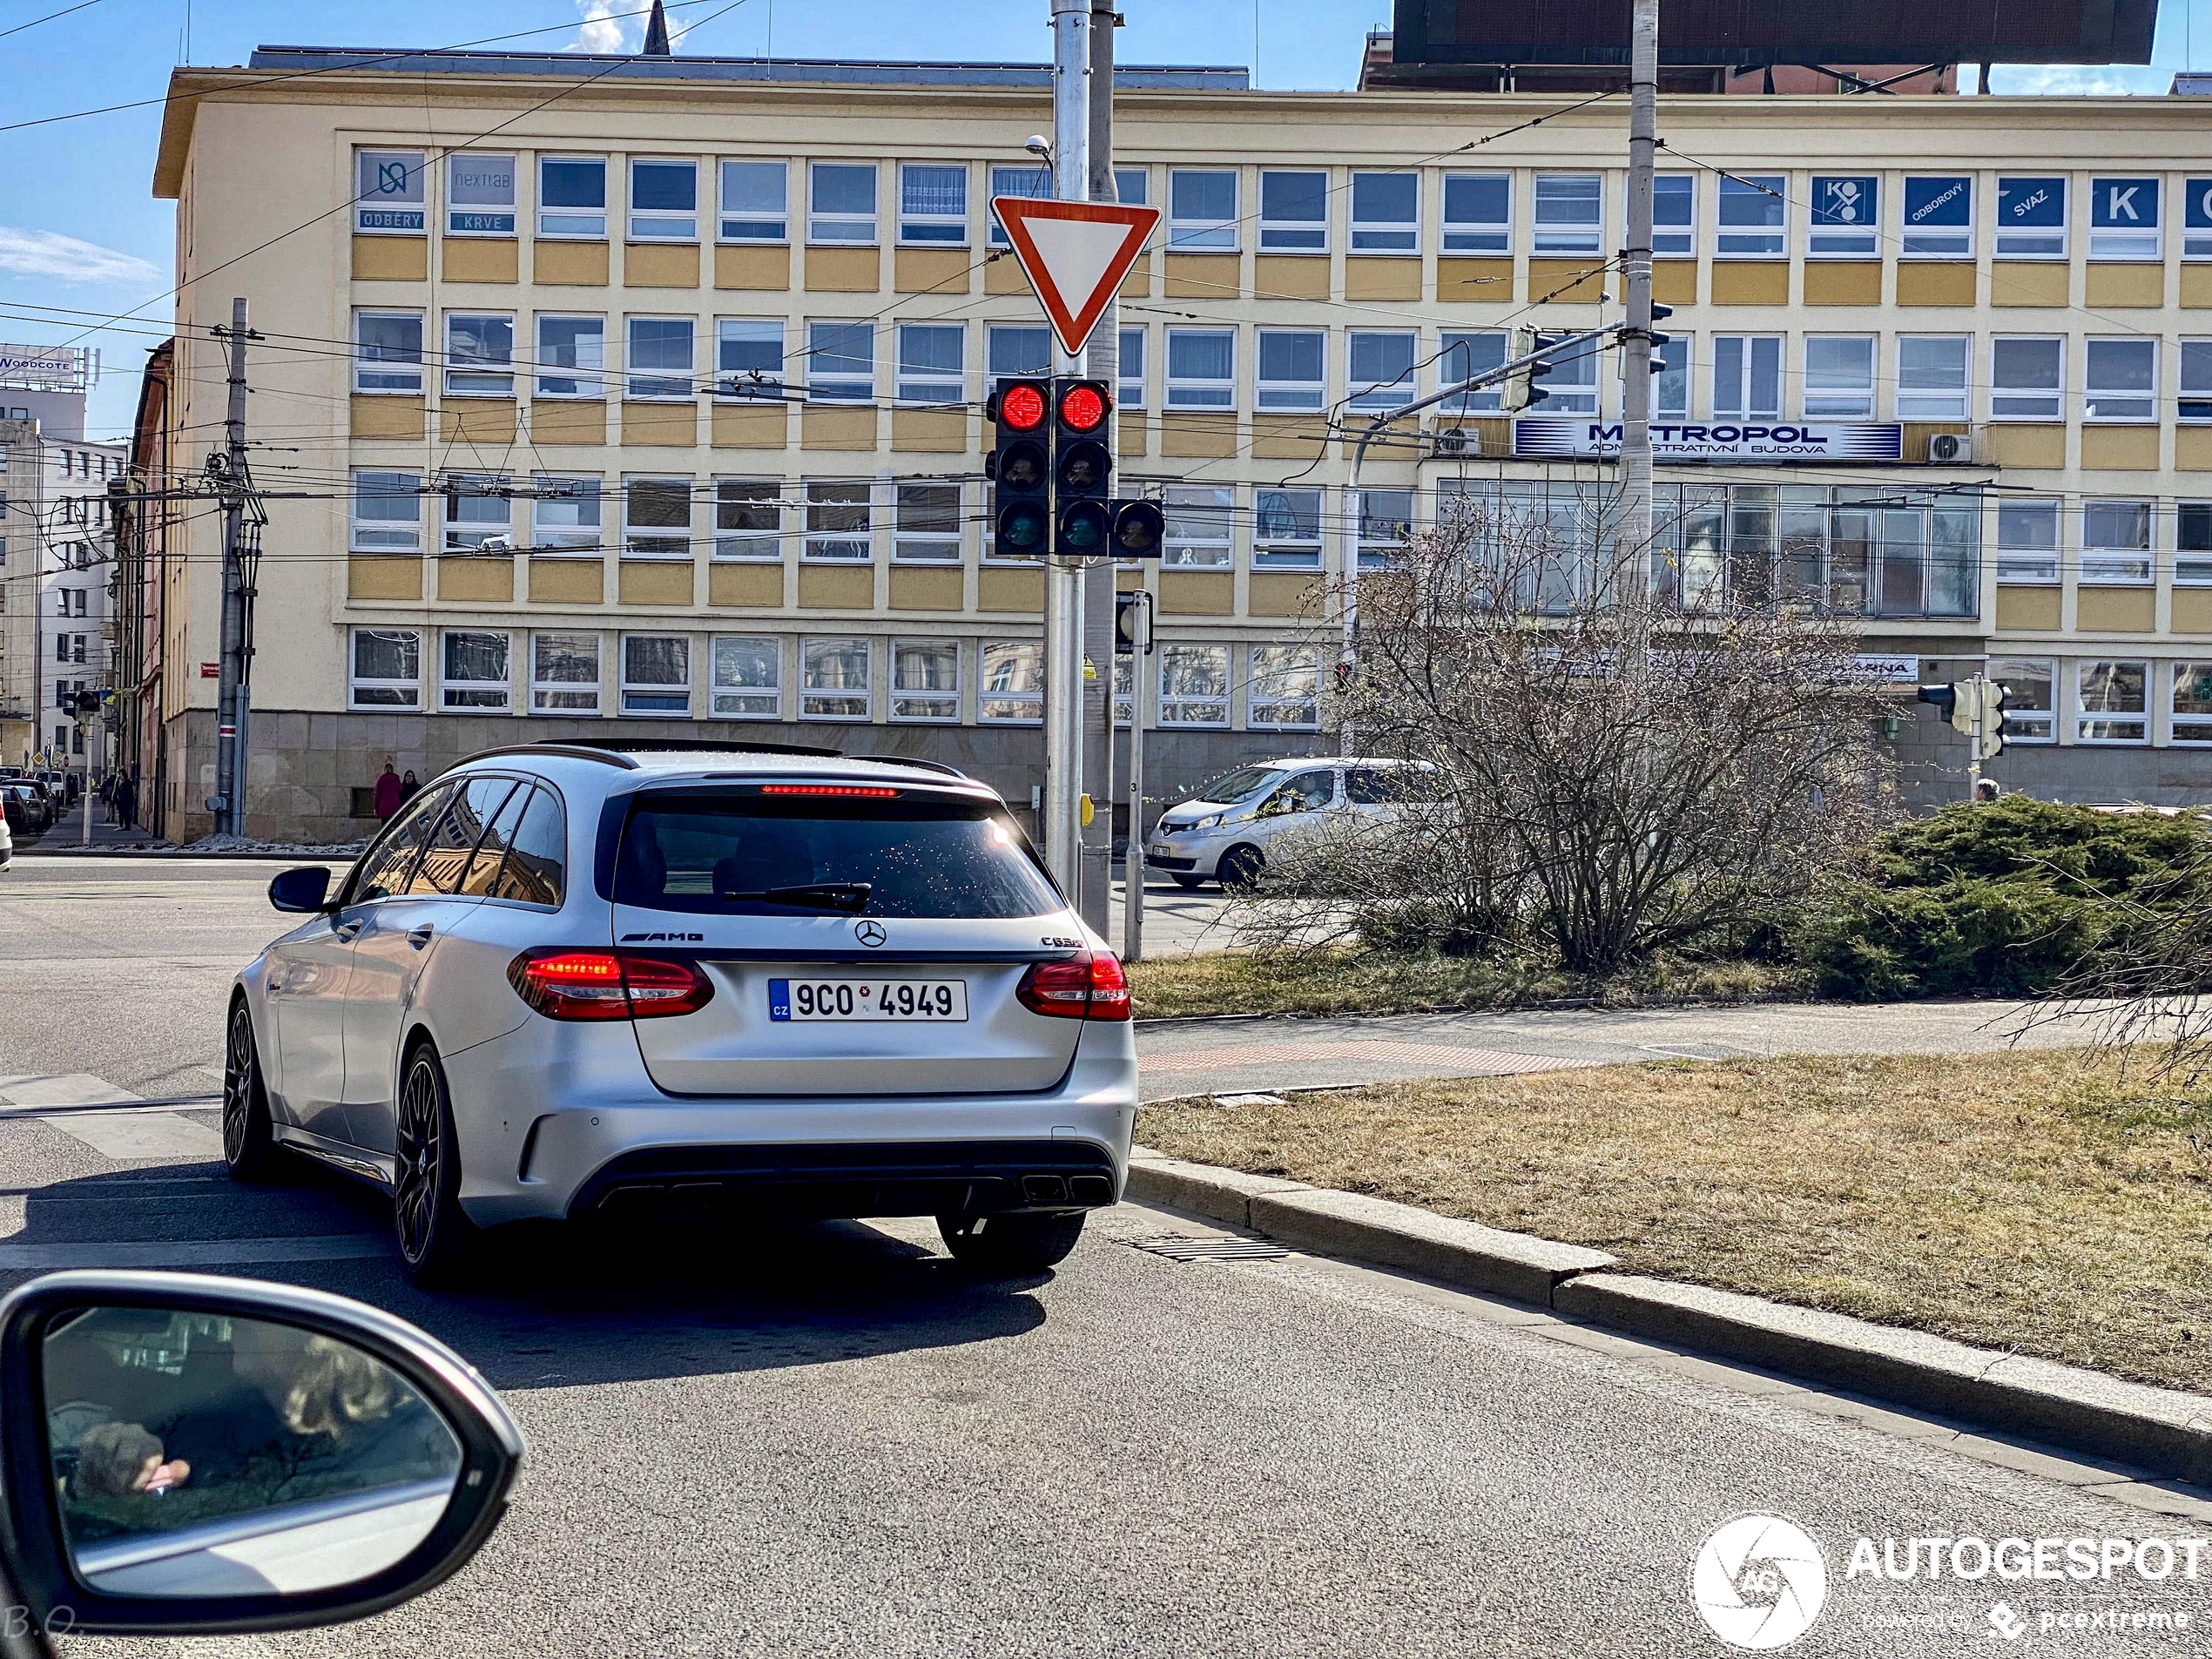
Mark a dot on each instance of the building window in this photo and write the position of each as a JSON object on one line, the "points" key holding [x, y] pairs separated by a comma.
{"points": [[837, 522], [572, 357], [572, 197], [1293, 374], [1385, 526], [564, 673], [1131, 186], [2195, 403], [1674, 216], [2196, 219], [1129, 391], [656, 517], [2119, 380], [1286, 528], [1010, 684], [1386, 213], [1938, 218], [387, 669], [2192, 544], [1124, 688], [753, 207], [933, 363], [387, 354], [924, 680], [2027, 541], [841, 366], [387, 192], [834, 680], [1478, 213], [841, 203], [1839, 374], [1202, 208], [2192, 704], [1569, 212], [1017, 349], [2031, 218], [477, 510], [1466, 356], [926, 528], [657, 674], [933, 205], [1670, 378], [1286, 687], [1198, 525], [1573, 384], [2031, 697], [1193, 685], [1379, 368], [480, 195], [1294, 212], [1845, 217], [387, 513], [1026, 183], [748, 678], [480, 355], [1202, 369], [2026, 378], [1931, 373], [2123, 219], [748, 358], [2111, 703], [565, 515], [748, 519], [664, 201], [660, 357], [2116, 541], [474, 670], [1751, 222]]}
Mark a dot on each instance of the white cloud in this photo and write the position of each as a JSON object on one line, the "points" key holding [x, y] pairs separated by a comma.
{"points": [[63, 258], [2080, 80], [604, 32]]}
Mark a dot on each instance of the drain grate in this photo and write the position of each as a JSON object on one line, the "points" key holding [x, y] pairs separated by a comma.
{"points": [[1180, 1247]]}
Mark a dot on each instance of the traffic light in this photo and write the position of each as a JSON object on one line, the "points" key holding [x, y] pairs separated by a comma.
{"points": [[1521, 391], [1139, 529], [1132, 623], [1082, 468], [1020, 469], [1974, 708], [1659, 313]]}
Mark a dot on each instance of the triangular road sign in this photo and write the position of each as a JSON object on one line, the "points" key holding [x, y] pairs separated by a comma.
{"points": [[1075, 254]]}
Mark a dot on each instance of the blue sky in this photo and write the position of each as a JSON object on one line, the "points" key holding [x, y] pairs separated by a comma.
{"points": [[80, 230]]}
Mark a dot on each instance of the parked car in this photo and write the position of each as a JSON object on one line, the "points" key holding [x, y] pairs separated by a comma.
{"points": [[582, 979], [1222, 833], [37, 809], [7, 838]]}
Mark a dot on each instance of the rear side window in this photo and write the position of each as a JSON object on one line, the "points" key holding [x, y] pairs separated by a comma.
{"points": [[384, 868], [445, 860], [1374, 786], [534, 868], [717, 854], [499, 835]]}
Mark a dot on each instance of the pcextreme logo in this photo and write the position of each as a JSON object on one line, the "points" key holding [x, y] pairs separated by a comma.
{"points": [[1758, 1581]]}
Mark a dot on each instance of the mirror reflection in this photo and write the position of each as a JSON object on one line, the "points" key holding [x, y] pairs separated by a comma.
{"points": [[198, 1456]]}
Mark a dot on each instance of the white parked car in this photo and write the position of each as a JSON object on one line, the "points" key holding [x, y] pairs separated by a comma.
{"points": [[1222, 833], [583, 979]]}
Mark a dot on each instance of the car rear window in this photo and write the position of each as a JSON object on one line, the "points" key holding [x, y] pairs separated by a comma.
{"points": [[920, 857]]}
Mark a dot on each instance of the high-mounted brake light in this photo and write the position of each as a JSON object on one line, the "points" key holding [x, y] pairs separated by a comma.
{"points": [[607, 984], [849, 791], [1081, 988]]}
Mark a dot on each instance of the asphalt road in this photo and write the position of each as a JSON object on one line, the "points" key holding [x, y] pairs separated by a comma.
{"points": [[829, 1441]]}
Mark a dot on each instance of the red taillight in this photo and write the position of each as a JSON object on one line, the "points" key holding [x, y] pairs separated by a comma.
{"points": [[848, 791], [607, 984], [1082, 987]]}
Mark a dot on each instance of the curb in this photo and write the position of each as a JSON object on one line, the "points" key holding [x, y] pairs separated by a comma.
{"points": [[2162, 1430]]}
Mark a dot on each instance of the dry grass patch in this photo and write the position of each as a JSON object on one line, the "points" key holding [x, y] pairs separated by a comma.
{"points": [[2038, 1202]]}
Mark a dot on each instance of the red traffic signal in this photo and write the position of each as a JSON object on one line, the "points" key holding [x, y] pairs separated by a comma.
{"points": [[1083, 406], [1021, 406]]}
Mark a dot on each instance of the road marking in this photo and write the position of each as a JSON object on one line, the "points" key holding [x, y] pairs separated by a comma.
{"points": [[131, 1132], [195, 1252]]}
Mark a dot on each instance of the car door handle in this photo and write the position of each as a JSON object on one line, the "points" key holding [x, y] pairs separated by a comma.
{"points": [[420, 936], [347, 928]]}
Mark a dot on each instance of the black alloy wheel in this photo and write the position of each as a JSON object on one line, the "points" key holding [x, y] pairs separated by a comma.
{"points": [[249, 1138], [436, 1238]]}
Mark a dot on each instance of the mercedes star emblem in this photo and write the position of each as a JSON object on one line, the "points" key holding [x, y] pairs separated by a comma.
{"points": [[870, 933]]}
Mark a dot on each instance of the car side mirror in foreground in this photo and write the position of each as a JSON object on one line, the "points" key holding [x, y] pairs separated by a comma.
{"points": [[300, 892], [188, 1455]]}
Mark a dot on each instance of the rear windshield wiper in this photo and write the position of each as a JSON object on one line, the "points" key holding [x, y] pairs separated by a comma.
{"points": [[817, 895]]}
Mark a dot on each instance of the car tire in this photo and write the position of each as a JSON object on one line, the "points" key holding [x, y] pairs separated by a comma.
{"points": [[1018, 1243], [249, 1135], [1189, 882], [1241, 866], [437, 1241]]}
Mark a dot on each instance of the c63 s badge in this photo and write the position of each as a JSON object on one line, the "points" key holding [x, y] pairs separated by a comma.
{"points": [[1058, 943]]}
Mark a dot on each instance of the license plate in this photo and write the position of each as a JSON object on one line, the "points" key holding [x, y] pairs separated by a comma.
{"points": [[1161, 849], [921, 1001]]}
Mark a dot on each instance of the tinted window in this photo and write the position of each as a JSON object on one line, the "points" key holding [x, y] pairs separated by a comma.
{"points": [[484, 869], [717, 854], [383, 869], [445, 860], [1241, 785], [1371, 787], [533, 868]]}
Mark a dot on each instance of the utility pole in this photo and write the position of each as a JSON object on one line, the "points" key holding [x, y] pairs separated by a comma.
{"points": [[1063, 577], [229, 805], [1095, 888], [1636, 341], [1133, 863]]}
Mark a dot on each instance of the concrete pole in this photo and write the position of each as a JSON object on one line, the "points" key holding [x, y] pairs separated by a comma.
{"points": [[1133, 862], [229, 774], [1636, 341], [1064, 578], [1103, 354]]}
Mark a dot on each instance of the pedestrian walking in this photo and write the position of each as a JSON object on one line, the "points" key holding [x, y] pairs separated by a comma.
{"points": [[107, 798], [127, 798], [408, 788], [388, 793]]}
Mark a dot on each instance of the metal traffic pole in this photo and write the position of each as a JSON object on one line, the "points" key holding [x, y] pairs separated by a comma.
{"points": [[1102, 358], [1133, 861], [1635, 340]]}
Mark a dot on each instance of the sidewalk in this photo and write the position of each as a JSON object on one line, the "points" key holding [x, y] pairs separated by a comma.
{"points": [[68, 835]]}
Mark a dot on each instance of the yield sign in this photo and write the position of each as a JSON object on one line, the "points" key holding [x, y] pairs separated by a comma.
{"points": [[1075, 254]]}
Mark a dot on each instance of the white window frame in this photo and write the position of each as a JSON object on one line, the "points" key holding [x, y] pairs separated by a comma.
{"points": [[374, 533], [1296, 549], [2034, 241], [744, 336], [550, 536], [362, 691], [926, 544], [2192, 397], [815, 702], [840, 388], [822, 506], [2137, 242], [1386, 238], [2049, 402], [1671, 240], [931, 385], [739, 698], [1266, 702], [465, 532], [577, 224], [738, 544], [1844, 399], [1026, 183], [933, 229], [404, 212], [1195, 392], [1564, 235], [1859, 238], [405, 382], [1940, 241], [1019, 702], [2107, 561], [1773, 238], [491, 382], [1280, 235], [1747, 351], [2197, 205], [1457, 359], [497, 695], [2020, 718], [757, 227], [1204, 233], [480, 218], [1195, 710], [842, 228], [924, 705], [588, 381], [1478, 238], [2031, 558], [1672, 384], [1580, 394], [667, 690], [663, 224], [2193, 565], [1933, 403], [1013, 336], [1128, 390], [1275, 394], [659, 384], [2085, 716], [566, 697], [1366, 395], [2130, 405], [641, 541], [1182, 547], [1382, 532], [2187, 726]]}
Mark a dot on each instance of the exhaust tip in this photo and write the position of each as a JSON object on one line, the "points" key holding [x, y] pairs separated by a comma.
{"points": [[1090, 1190], [1044, 1189]]}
